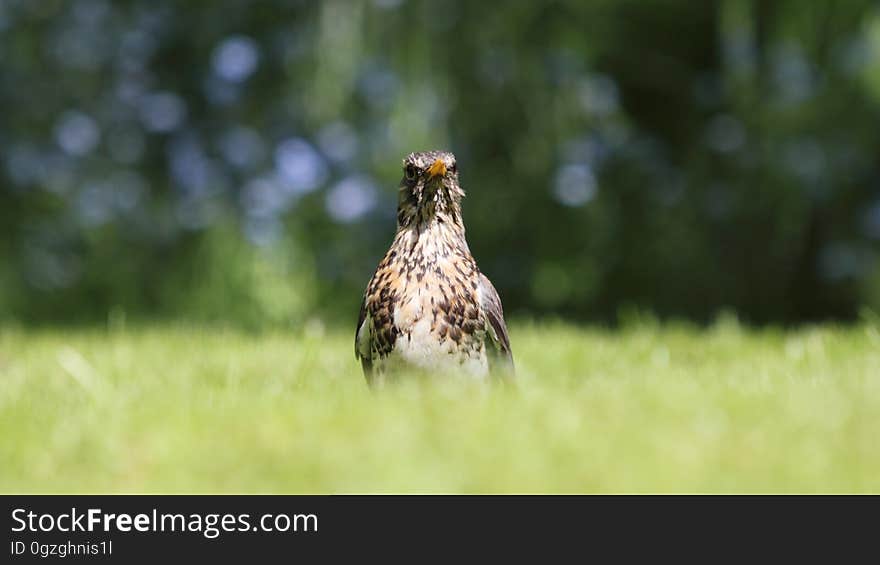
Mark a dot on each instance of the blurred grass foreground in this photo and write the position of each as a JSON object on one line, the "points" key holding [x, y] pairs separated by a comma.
{"points": [[650, 408]]}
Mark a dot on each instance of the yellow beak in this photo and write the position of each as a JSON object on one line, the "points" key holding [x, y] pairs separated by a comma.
{"points": [[438, 168]]}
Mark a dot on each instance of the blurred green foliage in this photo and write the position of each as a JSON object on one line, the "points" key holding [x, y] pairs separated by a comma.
{"points": [[237, 161]]}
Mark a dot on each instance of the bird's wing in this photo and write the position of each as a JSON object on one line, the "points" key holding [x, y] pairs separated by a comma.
{"points": [[363, 340], [497, 329]]}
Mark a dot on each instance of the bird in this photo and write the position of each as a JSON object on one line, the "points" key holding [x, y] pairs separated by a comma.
{"points": [[428, 308]]}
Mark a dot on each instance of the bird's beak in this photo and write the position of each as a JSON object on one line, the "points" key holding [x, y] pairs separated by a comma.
{"points": [[437, 169]]}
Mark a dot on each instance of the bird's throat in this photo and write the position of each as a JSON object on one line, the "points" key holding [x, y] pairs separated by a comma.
{"points": [[438, 235]]}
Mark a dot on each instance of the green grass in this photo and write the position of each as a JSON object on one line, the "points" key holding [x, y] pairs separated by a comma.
{"points": [[645, 409]]}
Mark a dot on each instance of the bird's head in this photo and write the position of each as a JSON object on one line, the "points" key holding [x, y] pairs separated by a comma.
{"points": [[429, 189]]}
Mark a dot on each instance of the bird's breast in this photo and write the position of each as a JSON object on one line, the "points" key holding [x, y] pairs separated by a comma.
{"points": [[424, 303], [437, 317]]}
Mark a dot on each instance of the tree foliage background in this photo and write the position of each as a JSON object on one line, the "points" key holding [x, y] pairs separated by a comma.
{"points": [[237, 161]]}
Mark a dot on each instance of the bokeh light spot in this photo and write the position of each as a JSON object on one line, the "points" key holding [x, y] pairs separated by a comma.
{"points": [[300, 166], [162, 112], [76, 133], [351, 198], [235, 58], [575, 185]]}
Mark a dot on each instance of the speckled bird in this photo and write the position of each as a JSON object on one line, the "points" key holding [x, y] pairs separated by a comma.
{"points": [[428, 307]]}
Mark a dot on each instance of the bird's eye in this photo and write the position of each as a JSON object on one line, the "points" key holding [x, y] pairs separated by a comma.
{"points": [[410, 172]]}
